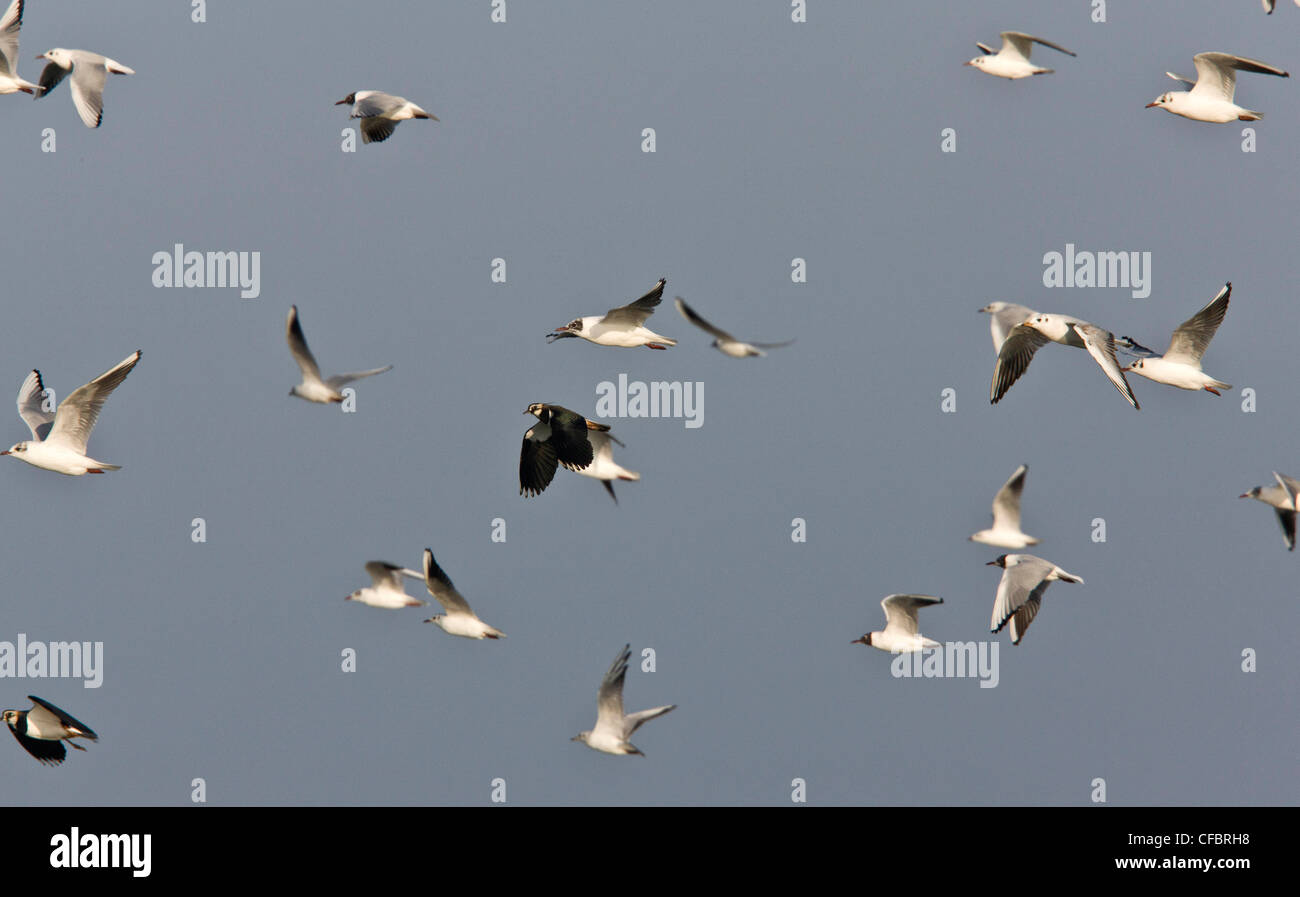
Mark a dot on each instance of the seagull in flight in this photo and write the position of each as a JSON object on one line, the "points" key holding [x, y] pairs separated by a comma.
{"points": [[902, 631], [1027, 338], [724, 342], [1012, 61], [43, 729], [1020, 593], [1005, 532], [89, 73], [1270, 4], [58, 441], [1284, 499], [1005, 317], [1210, 97], [10, 23], [603, 467], [387, 589], [560, 436], [1181, 364], [623, 326], [380, 113], [613, 727], [313, 388], [458, 619]]}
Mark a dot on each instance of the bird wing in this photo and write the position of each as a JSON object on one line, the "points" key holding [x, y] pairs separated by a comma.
{"points": [[609, 699], [1101, 346], [375, 103], [1026, 612], [1021, 44], [51, 75], [376, 129], [634, 313], [1193, 335], [1013, 359], [343, 379], [1019, 584], [31, 396], [1217, 73], [689, 314], [1006, 504], [985, 49], [537, 463], [10, 23], [1003, 321], [298, 347], [76, 415], [633, 721], [569, 437], [47, 715], [88, 90], [383, 573], [901, 611], [51, 753], [1290, 486], [440, 587], [1287, 521], [1188, 81], [1130, 346]]}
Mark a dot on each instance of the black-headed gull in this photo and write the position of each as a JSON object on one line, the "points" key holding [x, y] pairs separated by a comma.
{"points": [[1027, 338], [1005, 532], [603, 467], [1284, 498], [1005, 317], [622, 326], [458, 619], [902, 632], [1210, 97], [43, 729], [313, 388], [1181, 364], [560, 436], [89, 72], [10, 23], [724, 342], [62, 447], [613, 727], [380, 112], [1020, 593], [1012, 61], [386, 589]]}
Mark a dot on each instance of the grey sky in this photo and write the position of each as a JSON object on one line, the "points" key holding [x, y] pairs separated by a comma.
{"points": [[774, 141]]}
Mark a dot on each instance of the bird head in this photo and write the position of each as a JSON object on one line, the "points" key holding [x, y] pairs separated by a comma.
{"points": [[1253, 493], [58, 56], [16, 448], [999, 561], [865, 640], [1163, 100], [347, 100], [978, 62]]}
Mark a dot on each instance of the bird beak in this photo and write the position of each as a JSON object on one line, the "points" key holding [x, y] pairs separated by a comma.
{"points": [[42, 56], [560, 330], [6, 452], [1149, 105], [1242, 495], [341, 103], [1127, 369], [968, 62], [991, 564], [859, 641]]}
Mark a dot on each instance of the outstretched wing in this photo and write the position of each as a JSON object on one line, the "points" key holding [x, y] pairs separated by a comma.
{"points": [[1013, 359], [634, 313], [1193, 336], [31, 398], [76, 415]]}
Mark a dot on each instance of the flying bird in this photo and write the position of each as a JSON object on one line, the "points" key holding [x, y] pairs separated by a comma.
{"points": [[1020, 593], [1284, 499], [1181, 364], [1005, 532], [1210, 97], [58, 441], [1269, 4], [43, 729], [313, 388], [622, 326], [10, 23], [613, 727], [602, 466], [380, 113], [458, 619], [89, 73], [1005, 317], [1027, 338], [560, 436], [902, 628], [1012, 61], [387, 589], [724, 342]]}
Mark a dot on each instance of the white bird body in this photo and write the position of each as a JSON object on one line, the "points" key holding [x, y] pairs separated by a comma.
{"points": [[458, 619], [1284, 498], [386, 590], [613, 727], [902, 627], [1005, 532], [313, 387], [1181, 364], [622, 327], [89, 73], [1012, 60], [603, 467], [63, 447], [1211, 96], [723, 341], [380, 112], [10, 24], [1026, 338]]}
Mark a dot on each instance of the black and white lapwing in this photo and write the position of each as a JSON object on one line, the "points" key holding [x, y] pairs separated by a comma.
{"points": [[43, 729], [623, 326], [558, 437]]}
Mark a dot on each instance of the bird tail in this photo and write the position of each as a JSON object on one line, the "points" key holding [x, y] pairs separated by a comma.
{"points": [[1250, 115]]}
